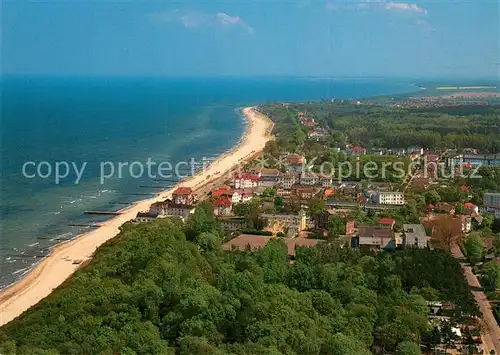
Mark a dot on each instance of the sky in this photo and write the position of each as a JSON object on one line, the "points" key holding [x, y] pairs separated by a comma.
{"points": [[334, 38]]}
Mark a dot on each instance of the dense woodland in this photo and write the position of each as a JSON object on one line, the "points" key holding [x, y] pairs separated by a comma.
{"points": [[168, 288], [384, 127]]}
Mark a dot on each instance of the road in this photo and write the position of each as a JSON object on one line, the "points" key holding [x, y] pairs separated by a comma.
{"points": [[491, 337]]}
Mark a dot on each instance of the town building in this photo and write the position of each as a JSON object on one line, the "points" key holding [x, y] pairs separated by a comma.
{"points": [[377, 151], [388, 222], [178, 210], [317, 134], [398, 152], [415, 149], [491, 210], [221, 191], [223, 206], [245, 195], [294, 163], [444, 207], [471, 207], [269, 177], [232, 224], [309, 178], [415, 236], [357, 150], [246, 181], [350, 228], [329, 193], [159, 208], [288, 180], [473, 160], [183, 196], [466, 223], [245, 242], [390, 198], [491, 200], [325, 180], [305, 193], [144, 217], [236, 196], [281, 191], [285, 221], [374, 238]]}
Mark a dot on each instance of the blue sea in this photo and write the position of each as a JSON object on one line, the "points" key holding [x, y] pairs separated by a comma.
{"points": [[48, 121]]}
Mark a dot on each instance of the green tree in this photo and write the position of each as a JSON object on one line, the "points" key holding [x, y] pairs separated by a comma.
{"points": [[336, 225], [459, 208], [491, 274], [408, 348], [316, 205], [341, 344], [474, 247], [278, 202], [432, 196]]}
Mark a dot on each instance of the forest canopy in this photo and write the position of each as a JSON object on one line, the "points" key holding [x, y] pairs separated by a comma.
{"points": [[167, 288]]}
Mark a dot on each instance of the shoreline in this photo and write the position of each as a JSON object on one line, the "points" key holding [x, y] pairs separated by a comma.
{"points": [[59, 265]]}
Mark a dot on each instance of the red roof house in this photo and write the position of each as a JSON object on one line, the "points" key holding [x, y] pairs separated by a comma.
{"points": [[470, 206], [387, 222], [223, 202], [221, 191], [358, 150], [183, 196], [183, 191], [222, 206]]}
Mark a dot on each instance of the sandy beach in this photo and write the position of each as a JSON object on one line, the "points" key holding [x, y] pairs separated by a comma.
{"points": [[60, 264]]}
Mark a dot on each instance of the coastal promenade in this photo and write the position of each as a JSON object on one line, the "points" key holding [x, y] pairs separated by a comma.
{"points": [[66, 258]]}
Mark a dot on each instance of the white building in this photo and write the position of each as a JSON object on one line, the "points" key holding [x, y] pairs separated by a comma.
{"points": [[415, 236], [418, 150], [144, 217], [245, 195], [492, 200], [182, 211], [234, 196], [390, 198], [286, 181], [308, 179], [269, 177], [246, 181], [466, 224], [325, 180], [158, 209]]}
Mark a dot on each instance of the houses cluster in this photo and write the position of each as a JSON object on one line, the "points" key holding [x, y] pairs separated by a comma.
{"points": [[182, 204], [383, 236], [413, 152], [305, 121], [318, 134]]}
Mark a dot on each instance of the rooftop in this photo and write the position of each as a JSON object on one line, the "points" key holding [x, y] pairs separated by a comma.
{"points": [[255, 242], [183, 191], [386, 221], [377, 232], [223, 202], [414, 230]]}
